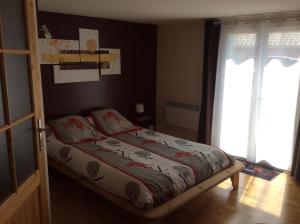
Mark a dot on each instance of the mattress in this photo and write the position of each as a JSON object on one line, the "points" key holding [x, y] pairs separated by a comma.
{"points": [[143, 166]]}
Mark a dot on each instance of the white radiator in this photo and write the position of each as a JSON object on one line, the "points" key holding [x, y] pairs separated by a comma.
{"points": [[185, 115]]}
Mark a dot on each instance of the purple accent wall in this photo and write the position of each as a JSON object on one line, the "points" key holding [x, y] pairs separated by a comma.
{"points": [[138, 64]]}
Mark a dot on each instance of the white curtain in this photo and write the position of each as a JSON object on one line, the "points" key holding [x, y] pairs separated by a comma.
{"points": [[257, 91]]}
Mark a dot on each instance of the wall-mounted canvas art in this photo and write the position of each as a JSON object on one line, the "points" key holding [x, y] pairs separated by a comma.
{"points": [[79, 60], [55, 51], [110, 61], [88, 41], [67, 73], [89, 52]]}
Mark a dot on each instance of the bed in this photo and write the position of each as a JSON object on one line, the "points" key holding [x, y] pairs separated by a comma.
{"points": [[147, 173]]}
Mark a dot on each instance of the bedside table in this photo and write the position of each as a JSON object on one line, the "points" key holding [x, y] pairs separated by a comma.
{"points": [[143, 120]]}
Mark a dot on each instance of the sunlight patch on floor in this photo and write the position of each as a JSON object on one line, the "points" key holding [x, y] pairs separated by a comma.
{"points": [[225, 185], [259, 194]]}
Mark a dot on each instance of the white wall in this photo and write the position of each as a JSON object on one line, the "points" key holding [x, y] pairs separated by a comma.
{"points": [[179, 70]]}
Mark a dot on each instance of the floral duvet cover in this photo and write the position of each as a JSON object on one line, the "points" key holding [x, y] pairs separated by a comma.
{"points": [[143, 166]]}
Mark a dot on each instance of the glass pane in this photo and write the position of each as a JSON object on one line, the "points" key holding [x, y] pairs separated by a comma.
{"points": [[278, 102], [5, 177], [1, 102], [238, 80], [24, 150], [13, 28], [18, 85]]}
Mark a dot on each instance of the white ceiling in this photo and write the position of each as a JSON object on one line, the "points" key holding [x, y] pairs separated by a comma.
{"points": [[163, 11]]}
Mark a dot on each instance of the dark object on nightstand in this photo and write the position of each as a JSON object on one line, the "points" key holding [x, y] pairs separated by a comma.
{"points": [[143, 120]]}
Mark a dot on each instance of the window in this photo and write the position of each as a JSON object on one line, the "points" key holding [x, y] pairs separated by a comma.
{"points": [[257, 91]]}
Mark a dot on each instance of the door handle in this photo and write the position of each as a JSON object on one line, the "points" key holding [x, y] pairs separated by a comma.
{"points": [[41, 130]]}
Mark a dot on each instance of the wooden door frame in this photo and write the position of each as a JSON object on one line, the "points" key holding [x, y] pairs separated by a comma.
{"points": [[39, 180], [31, 16]]}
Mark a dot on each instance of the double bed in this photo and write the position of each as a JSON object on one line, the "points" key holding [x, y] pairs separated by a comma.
{"points": [[147, 173]]}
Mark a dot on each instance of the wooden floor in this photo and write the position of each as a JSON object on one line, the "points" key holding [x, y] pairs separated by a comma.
{"points": [[256, 201]]}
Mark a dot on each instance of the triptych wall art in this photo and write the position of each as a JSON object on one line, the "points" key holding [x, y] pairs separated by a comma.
{"points": [[79, 60]]}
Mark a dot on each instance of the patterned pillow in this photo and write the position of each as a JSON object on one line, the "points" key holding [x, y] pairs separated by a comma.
{"points": [[111, 122], [74, 129]]}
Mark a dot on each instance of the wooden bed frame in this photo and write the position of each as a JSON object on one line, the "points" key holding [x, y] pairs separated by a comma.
{"points": [[157, 214]]}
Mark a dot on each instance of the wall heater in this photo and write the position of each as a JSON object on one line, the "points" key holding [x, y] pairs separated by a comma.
{"points": [[182, 114]]}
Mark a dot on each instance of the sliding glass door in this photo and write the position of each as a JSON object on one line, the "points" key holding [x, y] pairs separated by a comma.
{"points": [[257, 91], [278, 101]]}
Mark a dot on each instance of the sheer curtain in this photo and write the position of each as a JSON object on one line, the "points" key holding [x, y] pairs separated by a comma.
{"points": [[257, 91]]}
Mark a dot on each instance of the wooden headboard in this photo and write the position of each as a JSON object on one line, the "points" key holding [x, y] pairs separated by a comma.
{"points": [[137, 83]]}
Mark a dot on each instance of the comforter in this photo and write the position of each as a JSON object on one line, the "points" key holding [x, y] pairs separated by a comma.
{"points": [[143, 166]]}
